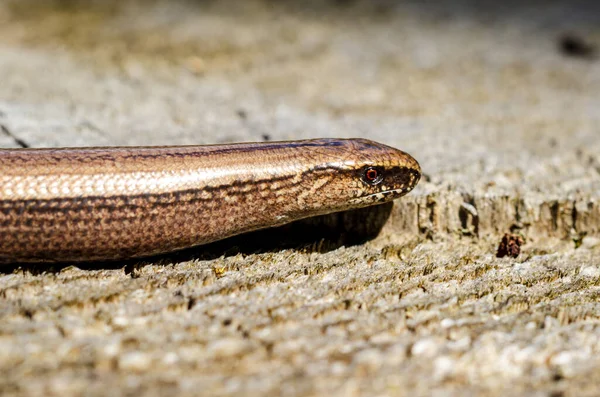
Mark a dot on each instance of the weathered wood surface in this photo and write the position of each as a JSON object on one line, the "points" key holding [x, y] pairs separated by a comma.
{"points": [[498, 105]]}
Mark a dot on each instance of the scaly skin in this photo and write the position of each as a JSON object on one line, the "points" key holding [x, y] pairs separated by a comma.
{"points": [[59, 205]]}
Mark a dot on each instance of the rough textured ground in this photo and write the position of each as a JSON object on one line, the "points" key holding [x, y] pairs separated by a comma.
{"points": [[497, 100]]}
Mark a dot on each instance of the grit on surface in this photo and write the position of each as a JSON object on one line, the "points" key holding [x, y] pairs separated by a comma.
{"points": [[497, 100]]}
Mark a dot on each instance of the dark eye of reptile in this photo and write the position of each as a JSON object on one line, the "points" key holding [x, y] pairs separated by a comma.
{"points": [[372, 175]]}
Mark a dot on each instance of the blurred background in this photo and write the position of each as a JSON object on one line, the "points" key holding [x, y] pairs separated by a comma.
{"points": [[482, 93], [498, 100]]}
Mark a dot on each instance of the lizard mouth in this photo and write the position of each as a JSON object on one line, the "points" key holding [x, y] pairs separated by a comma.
{"points": [[381, 197]]}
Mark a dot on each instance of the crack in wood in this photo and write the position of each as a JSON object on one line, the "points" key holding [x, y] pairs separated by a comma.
{"points": [[18, 141]]}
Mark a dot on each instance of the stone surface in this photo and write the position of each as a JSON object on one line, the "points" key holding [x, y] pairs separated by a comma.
{"points": [[484, 94]]}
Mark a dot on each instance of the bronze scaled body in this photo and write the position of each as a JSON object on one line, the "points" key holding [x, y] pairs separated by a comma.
{"points": [[113, 203]]}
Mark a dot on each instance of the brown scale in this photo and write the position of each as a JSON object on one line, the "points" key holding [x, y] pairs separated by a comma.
{"points": [[241, 187]]}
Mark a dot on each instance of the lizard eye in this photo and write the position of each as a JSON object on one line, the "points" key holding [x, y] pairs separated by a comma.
{"points": [[372, 175]]}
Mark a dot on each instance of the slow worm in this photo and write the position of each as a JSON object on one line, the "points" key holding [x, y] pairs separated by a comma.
{"points": [[80, 204]]}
